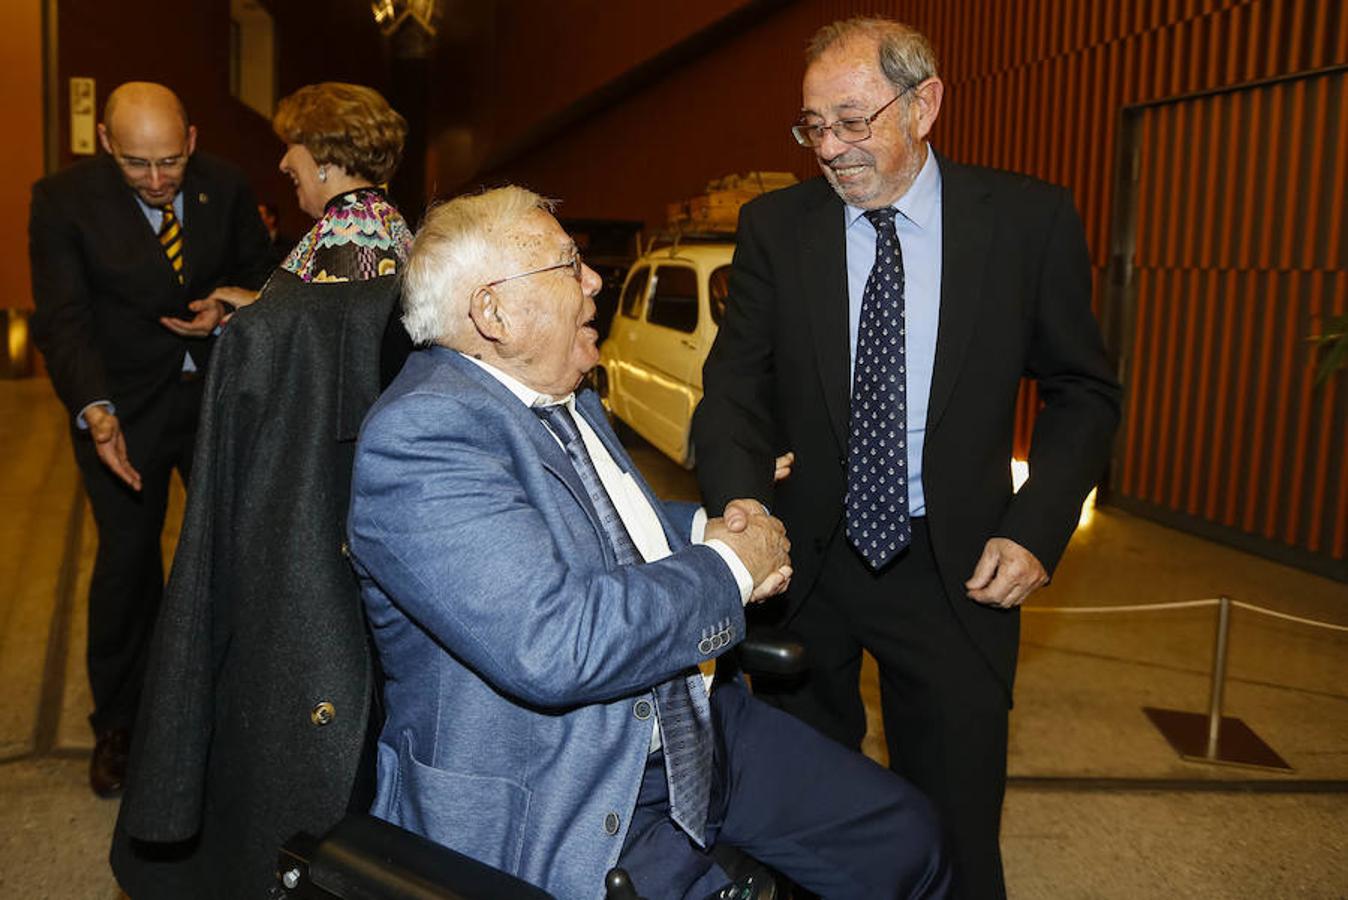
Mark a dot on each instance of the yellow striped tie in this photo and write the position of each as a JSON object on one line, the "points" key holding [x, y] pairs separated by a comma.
{"points": [[171, 239]]}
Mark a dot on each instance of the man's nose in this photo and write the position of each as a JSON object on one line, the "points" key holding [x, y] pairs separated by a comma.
{"points": [[830, 147], [590, 281], [156, 176]]}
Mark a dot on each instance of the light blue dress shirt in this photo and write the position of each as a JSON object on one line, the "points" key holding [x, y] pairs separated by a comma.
{"points": [[155, 215], [919, 228]]}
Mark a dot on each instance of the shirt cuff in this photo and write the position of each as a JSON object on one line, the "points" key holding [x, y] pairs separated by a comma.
{"points": [[82, 425], [743, 579], [699, 528]]}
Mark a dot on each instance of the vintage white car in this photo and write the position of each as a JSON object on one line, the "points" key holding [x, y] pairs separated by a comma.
{"points": [[650, 367]]}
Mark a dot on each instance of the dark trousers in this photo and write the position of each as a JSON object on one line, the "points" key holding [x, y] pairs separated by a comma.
{"points": [[128, 578], [945, 710], [829, 819]]}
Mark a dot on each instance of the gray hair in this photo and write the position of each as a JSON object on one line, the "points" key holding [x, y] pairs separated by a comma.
{"points": [[906, 56], [451, 257]]}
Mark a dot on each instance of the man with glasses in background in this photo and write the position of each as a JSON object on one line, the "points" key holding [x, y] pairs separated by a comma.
{"points": [[135, 256], [879, 321], [540, 615]]}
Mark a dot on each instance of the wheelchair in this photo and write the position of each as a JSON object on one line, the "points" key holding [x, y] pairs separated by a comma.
{"points": [[365, 858]]}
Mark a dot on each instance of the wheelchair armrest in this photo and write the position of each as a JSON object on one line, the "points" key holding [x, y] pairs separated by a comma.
{"points": [[773, 652], [365, 858]]}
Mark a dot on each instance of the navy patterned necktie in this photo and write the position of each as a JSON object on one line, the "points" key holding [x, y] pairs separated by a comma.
{"points": [[877, 455], [682, 708]]}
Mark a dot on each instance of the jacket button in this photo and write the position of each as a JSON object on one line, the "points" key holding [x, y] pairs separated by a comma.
{"points": [[642, 710], [704, 646], [322, 713], [611, 823]]}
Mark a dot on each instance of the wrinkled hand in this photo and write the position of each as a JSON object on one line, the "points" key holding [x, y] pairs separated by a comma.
{"points": [[236, 297], [110, 444], [1005, 575], [737, 513], [782, 466], [209, 311], [760, 541]]}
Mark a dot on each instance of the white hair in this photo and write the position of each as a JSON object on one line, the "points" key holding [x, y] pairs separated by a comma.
{"points": [[451, 257]]}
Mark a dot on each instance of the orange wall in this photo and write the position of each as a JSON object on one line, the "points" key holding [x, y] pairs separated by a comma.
{"points": [[21, 150]]}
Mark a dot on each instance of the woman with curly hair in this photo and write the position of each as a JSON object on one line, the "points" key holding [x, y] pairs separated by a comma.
{"points": [[343, 142]]}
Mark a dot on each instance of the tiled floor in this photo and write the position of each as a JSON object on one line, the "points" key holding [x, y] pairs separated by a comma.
{"points": [[1099, 805]]}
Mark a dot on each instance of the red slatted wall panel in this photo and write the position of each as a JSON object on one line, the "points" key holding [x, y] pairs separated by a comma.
{"points": [[1240, 253]]}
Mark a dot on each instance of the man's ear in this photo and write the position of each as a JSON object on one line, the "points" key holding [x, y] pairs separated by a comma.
{"points": [[103, 138], [484, 308], [928, 96]]}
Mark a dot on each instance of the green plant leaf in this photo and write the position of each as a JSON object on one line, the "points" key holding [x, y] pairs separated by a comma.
{"points": [[1335, 357]]}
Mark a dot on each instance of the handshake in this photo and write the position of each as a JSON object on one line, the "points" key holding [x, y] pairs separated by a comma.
{"points": [[760, 541]]}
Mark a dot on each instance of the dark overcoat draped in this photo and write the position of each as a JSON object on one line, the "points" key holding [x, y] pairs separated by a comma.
{"points": [[257, 696]]}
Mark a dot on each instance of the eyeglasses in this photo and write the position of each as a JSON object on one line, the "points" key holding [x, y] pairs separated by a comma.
{"points": [[137, 166], [851, 130], [574, 264]]}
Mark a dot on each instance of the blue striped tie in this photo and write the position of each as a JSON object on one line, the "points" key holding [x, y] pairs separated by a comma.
{"points": [[682, 707]]}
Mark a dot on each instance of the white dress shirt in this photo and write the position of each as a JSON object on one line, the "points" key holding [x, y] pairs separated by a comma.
{"points": [[638, 517]]}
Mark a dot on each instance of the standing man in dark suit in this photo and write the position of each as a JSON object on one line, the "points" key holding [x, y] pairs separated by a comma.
{"points": [[880, 320], [135, 257]]}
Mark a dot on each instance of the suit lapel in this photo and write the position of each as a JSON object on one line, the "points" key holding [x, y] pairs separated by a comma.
{"points": [[550, 453], [823, 253], [131, 218], [200, 221], [966, 233]]}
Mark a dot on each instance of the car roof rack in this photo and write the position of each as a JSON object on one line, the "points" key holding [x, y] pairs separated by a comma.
{"points": [[673, 238]]}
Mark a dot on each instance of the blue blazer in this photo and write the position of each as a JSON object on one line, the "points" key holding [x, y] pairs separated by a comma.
{"points": [[519, 656]]}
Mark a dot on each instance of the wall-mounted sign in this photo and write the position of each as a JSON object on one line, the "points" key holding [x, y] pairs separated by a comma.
{"points": [[83, 114]]}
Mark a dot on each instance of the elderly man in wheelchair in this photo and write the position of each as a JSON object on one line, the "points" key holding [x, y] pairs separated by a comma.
{"points": [[541, 617]]}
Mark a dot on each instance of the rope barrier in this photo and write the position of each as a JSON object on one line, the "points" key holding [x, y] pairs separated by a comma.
{"points": [[1227, 741], [1291, 618], [1187, 604], [1137, 607]]}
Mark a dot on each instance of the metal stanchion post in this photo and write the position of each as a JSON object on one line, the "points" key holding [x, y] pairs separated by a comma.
{"points": [[1215, 738], [1218, 676]]}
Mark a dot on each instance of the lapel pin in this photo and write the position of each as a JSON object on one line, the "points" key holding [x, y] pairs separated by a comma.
{"points": [[202, 198]]}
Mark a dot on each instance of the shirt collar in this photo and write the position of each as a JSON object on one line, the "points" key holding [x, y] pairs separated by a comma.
{"points": [[918, 204], [157, 209], [527, 395], [352, 196]]}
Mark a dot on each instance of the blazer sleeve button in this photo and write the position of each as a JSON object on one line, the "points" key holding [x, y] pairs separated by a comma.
{"points": [[322, 713], [611, 823], [642, 710]]}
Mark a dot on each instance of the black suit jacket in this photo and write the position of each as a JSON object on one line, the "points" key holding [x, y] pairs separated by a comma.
{"points": [[1015, 300], [262, 619], [101, 280]]}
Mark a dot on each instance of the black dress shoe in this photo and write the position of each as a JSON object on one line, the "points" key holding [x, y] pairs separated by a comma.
{"points": [[107, 767]]}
